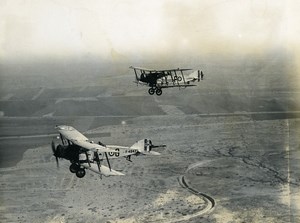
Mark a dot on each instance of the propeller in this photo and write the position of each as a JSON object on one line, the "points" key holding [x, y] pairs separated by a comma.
{"points": [[55, 153]]}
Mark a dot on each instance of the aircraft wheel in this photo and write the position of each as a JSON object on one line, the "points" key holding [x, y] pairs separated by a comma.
{"points": [[151, 91], [74, 168], [179, 78], [80, 173], [158, 91]]}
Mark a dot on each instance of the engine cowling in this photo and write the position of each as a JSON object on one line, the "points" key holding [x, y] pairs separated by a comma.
{"points": [[69, 152]]}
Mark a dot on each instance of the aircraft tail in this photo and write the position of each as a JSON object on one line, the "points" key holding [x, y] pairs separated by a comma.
{"points": [[195, 76], [145, 146]]}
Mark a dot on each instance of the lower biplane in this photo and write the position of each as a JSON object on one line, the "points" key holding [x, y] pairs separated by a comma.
{"points": [[159, 79], [85, 154]]}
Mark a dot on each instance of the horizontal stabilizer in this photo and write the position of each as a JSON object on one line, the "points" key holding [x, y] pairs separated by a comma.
{"points": [[144, 146], [153, 153]]}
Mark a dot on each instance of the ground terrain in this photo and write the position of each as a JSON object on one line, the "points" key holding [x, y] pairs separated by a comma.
{"points": [[232, 150]]}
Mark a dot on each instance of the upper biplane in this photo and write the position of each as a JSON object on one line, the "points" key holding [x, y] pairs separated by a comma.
{"points": [[158, 79], [85, 154]]}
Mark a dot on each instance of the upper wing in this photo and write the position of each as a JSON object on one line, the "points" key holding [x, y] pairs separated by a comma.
{"points": [[158, 71], [79, 139], [93, 146], [142, 69], [70, 133]]}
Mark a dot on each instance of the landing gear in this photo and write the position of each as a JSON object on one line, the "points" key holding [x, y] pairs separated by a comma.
{"points": [[80, 173], [151, 91], [158, 91], [74, 168]]}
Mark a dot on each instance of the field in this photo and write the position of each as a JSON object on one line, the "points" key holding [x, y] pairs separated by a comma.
{"points": [[232, 150]]}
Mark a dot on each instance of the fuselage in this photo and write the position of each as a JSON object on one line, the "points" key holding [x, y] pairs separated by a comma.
{"points": [[120, 151]]}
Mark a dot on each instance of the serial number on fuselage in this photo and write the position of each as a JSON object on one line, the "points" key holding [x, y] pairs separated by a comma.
{"points": [[117, 152]]}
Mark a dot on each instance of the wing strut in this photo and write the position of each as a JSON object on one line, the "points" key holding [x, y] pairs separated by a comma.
{"points": [[107, 160], [87, 158], [97, 159], [176, 77], [183, 77]]}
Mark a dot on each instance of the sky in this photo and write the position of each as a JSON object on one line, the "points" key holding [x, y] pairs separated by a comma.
{"points": [[129, 30]]}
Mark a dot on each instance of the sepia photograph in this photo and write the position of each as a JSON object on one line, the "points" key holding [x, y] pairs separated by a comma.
{"points": [[139, 111]]}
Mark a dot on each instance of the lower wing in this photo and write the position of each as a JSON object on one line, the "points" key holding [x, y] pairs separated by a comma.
{"points": [[177, 85], [104, 170]]}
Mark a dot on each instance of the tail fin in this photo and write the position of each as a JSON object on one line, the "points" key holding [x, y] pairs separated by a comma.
{"points": [[144, 146]]}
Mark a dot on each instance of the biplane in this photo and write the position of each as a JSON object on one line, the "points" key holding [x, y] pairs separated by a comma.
{"points": [[85, 154], [159, 79]]}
